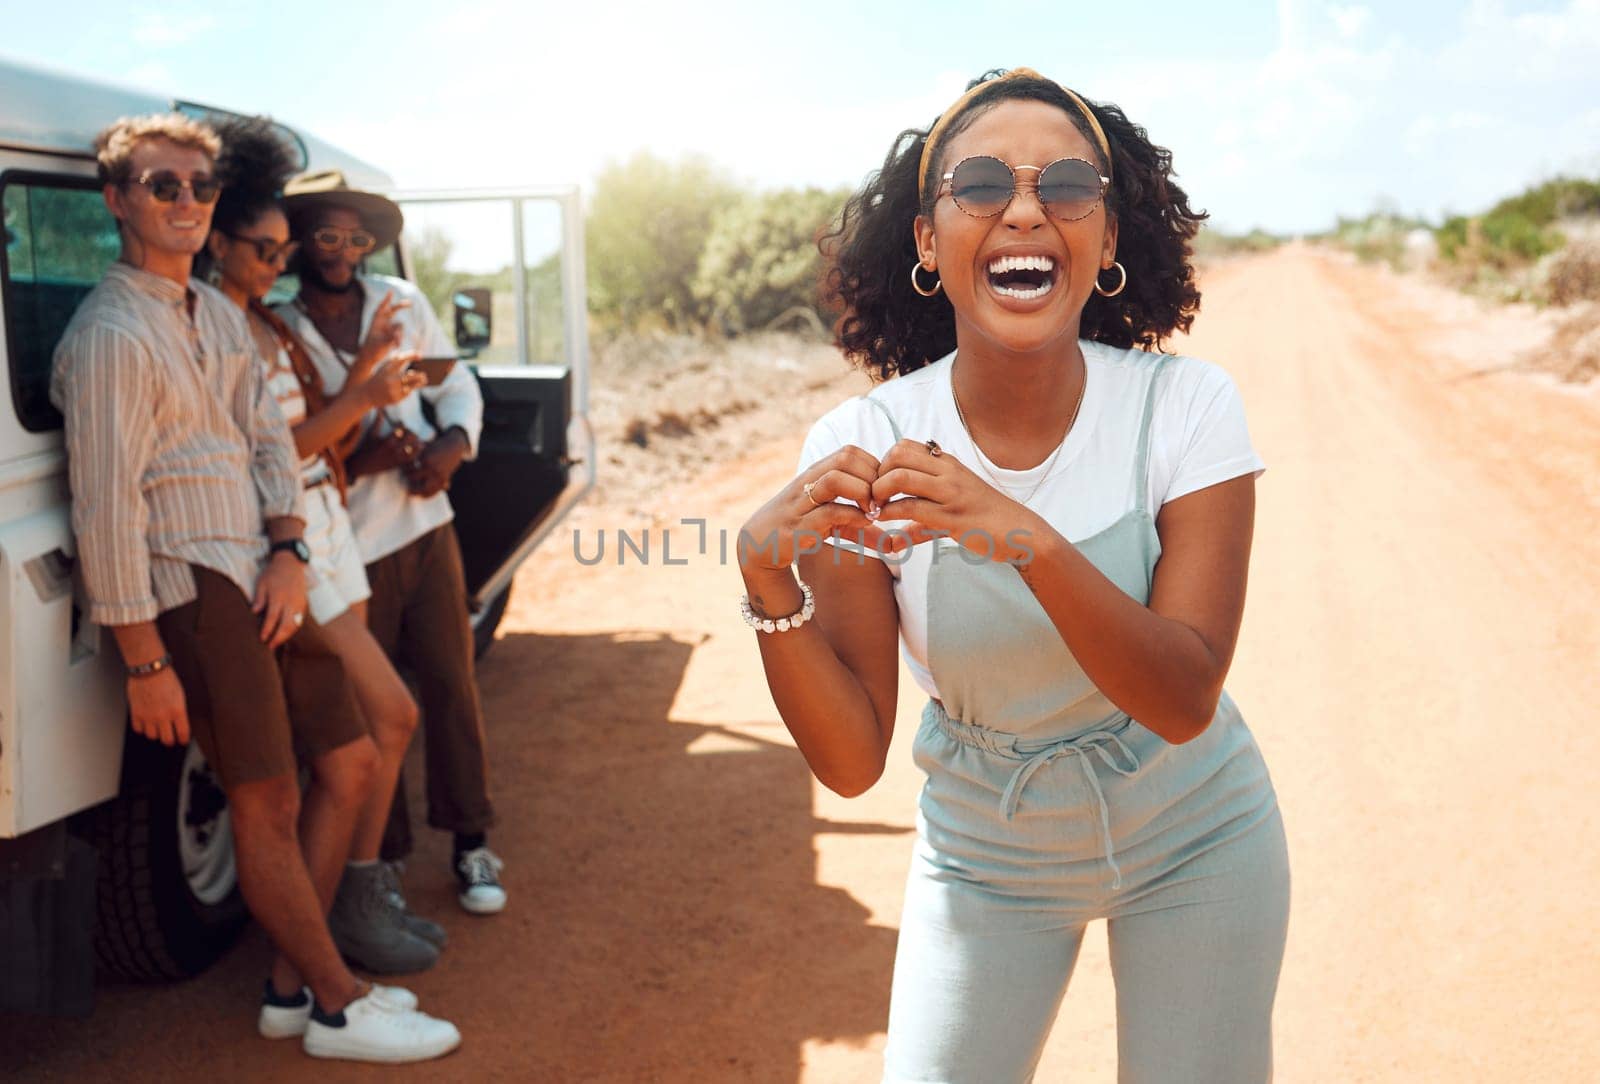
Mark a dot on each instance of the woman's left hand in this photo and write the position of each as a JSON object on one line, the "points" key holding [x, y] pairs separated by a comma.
{"points": [[943, 499]]}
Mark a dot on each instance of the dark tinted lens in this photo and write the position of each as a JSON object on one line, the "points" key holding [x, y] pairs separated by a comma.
{"points": [[1069, 188], [270, 251], [982, 186], [205, 189], [361, 241], [164, 186], [328, 240]]}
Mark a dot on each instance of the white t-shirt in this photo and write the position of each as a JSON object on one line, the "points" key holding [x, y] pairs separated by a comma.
{"points": [[385, 514], [1198, 438]]}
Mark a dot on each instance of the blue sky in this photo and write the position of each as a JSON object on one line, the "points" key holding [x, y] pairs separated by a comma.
{"points": [[1281, 115]]}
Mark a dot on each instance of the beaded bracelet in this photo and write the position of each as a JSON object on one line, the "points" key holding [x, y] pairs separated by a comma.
{"points": [[778, 624]]}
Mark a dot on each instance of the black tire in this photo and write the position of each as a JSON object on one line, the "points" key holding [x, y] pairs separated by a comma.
{"points": [[485, 622], [151, 923]]}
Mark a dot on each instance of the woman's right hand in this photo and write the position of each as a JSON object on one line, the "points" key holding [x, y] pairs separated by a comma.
{"points": [[383, 335], [391, 381], [804, 512]]}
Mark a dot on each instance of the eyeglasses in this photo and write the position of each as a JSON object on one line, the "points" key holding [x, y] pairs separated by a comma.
{"points": [[333, 238], [267, 250], [166, 186], [984, 186]]}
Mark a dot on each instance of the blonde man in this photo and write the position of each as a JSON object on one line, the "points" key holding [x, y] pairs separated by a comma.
{"points": [[187, 507]]}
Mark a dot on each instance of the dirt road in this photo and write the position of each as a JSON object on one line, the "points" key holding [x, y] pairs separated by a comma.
{"points": [[1418, 663]]}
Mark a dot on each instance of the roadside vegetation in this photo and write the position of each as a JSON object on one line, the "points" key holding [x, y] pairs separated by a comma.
{"points": [[1385, 237], [1211, 244], [1540, 247]]}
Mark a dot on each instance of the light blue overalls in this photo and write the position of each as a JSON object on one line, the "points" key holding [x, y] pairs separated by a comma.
{"points": [[1046, 807]]}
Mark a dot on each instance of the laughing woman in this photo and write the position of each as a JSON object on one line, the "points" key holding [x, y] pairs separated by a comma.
{"points": [[1075, 513]]}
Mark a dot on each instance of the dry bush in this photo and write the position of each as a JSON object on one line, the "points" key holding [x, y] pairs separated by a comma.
{"points": [[1573, 352], [1573, 274]]}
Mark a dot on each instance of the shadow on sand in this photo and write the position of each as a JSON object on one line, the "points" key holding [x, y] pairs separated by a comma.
{"points": [[665, 922]]}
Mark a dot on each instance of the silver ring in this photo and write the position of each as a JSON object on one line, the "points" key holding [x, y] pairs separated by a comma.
{"points": [[298, 619], [809, 486]]}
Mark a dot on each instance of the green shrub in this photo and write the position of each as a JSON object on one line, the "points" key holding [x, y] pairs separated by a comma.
{"points": [[760, 259], [1212, 243], [1519, 229], [1453, 236], [1563, 197], [1511, 239], [648, 222], [1379, 237]]}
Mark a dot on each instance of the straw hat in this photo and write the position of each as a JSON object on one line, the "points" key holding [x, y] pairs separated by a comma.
{"points": [[309, 193]]}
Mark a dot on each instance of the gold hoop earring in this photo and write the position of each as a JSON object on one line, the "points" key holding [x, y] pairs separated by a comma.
{"points": [[917, 286], [1122, 285]]}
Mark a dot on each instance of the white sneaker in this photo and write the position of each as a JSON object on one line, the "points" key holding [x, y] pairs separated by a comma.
{"points": [[284, 1021], [376, 1029], [478, 872], [289, 1021]]}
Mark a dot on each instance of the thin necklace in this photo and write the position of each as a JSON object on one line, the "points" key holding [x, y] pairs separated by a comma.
{"points": [[1049, 463]]}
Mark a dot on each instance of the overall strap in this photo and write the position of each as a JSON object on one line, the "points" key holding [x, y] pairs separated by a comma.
{"points": [[1141, 469], [316, 395], [893, 426]]}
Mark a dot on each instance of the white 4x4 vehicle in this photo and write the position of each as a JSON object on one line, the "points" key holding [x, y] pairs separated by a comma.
{"points": [[114, 842]]}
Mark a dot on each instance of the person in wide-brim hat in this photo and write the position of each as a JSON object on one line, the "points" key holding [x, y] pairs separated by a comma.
{"points": [[309, 193]]}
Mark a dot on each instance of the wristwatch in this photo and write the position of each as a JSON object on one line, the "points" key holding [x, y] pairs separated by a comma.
{"points": [[296, 546]]}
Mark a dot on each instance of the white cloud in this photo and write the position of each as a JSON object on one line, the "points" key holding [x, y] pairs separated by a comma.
{"points": [[1339, 112], [1496, 49], [153, 76], [1349, 21], [165, 30]]}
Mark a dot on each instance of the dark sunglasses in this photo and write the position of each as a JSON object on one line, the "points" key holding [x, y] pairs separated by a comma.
{"points": [[983, 186], [332, 239], [267, 250], [166, 186]]}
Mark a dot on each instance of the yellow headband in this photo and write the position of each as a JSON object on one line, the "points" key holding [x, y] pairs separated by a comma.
{"points": [[960, 103]]}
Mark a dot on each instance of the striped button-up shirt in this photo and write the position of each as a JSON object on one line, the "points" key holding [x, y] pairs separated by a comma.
{"points": [[176, 451]]}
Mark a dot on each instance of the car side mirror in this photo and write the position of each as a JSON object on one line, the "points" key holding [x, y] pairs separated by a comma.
{"points": [[474, 319]]}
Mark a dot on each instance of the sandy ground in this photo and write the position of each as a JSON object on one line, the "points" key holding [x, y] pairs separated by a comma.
{"points": [[1417, 662]]}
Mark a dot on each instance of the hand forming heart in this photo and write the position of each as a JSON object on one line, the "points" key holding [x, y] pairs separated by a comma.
{"points": [[850, 494]]}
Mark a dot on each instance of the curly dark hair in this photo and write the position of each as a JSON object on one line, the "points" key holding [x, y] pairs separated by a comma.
{"points": [[255, 163], [887, 328]]}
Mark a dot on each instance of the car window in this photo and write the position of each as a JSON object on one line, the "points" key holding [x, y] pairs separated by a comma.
{"points": [[59, 239]]}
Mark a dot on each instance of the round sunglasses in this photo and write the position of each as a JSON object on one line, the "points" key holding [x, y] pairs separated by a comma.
{"points": [[984, 186], [333, 239], [165, 186], [267, 250]]}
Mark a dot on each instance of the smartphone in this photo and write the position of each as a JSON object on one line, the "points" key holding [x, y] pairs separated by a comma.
{"points": [[436, 369]]}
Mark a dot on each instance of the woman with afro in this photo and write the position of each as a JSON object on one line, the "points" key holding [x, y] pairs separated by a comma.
{"points": [[248, 248], [1054, 519]]}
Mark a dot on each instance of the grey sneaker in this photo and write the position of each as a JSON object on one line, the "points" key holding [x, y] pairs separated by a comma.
{"points": [[424, 928], [478, 876], [367, 929]]}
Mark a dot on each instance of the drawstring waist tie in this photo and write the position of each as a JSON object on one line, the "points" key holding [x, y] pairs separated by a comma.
{"points": [[1035, 754]]}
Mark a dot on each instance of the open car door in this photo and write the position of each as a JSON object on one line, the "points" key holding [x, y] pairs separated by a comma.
{"points": [[504, 270]]}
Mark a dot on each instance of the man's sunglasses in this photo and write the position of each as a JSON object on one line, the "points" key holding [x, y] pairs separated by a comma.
{"points": [[332, 239], [166, 186], [267, 250], [983, 186]]}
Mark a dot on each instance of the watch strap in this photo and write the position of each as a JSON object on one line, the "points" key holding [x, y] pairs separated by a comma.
{"points": [[296, 546], [146, 669]]}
